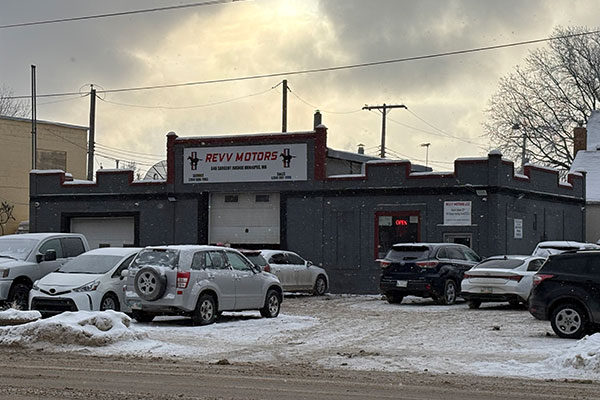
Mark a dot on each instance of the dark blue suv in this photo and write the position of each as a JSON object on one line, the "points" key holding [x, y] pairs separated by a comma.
{"points": [[426, 270], [566, 291]]}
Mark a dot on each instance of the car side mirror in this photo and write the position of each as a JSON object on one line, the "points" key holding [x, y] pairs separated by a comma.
{"points": [[124, 273], [50, 255], [308, 264]]}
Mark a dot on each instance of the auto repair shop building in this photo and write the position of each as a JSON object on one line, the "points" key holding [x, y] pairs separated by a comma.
{"points": [[288, 190]]}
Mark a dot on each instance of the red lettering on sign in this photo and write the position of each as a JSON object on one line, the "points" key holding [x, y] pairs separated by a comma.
{"points": [[401, 222], [208, 158]]}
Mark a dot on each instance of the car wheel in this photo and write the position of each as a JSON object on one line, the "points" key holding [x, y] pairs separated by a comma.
{"points": [[449, 295], [272, 304], [569, 321], [205, 312], [141, 316], [18, 296], [474, 304], [110, 302], [150, 284], [514, 303], [320, 286], [394, 298]]}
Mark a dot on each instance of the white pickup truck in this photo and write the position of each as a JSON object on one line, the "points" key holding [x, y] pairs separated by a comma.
{"points": [[28, 257]]}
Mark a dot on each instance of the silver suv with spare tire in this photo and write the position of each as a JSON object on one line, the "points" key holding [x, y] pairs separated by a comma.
{"points": [[200, 282]]}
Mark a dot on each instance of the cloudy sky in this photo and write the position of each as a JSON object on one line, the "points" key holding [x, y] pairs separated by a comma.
{"points": [[446, 97]]}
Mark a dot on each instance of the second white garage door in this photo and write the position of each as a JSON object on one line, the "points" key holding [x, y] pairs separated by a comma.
{"points": [[244, 218], [105, 232]]}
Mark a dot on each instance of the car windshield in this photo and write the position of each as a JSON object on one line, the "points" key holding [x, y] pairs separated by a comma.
{"points": [[16, 248], [156, 257], [90, 264], [509, 263], [256, 259], [401, 253]]}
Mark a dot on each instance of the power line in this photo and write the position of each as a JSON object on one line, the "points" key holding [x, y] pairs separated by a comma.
{"points": [[118, 14], [325, 69], [189, 107], [319, 108], [130, 151]]}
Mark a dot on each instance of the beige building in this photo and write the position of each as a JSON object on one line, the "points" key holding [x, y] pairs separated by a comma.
{"points": [[59, 146]]}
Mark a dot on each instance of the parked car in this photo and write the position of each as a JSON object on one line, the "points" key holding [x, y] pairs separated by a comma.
{"points": [[426, 270], [91, 281], [500, 278], [544, 249], [200, 282], [257, 259], [295, 273], [565, 291], [27, 257]]}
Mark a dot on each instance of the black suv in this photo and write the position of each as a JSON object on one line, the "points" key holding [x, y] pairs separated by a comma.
{"points": [[566, 291], [426, 270]]}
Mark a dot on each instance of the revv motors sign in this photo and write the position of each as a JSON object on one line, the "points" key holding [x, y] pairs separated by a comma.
{"points": [[264, 163]]}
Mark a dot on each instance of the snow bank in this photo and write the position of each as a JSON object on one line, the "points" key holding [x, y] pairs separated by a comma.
{"points": [[14, 317], [84, 328], [584, 355]]}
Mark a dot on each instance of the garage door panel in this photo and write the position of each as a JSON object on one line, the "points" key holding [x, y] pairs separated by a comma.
{"points": [[109, 231], [229, 221]]}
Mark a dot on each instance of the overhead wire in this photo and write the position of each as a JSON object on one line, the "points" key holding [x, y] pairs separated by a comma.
{"points": [[319, 108], [119, 14], [188, 107], [325, 69]]}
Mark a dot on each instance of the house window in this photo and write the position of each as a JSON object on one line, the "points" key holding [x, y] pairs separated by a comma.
{"points": [[262, 198], [231, 198]]}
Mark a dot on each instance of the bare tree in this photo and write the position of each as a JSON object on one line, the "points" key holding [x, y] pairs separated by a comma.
{"points": [[12, 107], [555, 90]]}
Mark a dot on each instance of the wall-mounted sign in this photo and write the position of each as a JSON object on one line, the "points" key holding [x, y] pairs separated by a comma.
{"points": [[518, 228], [457, 213], [264, 163]]}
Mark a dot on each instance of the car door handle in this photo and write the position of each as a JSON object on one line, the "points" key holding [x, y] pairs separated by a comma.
{"points": [[211, 277]]}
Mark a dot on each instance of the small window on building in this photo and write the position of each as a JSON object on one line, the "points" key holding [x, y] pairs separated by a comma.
{"points": [[262, 198], [231, 198]]}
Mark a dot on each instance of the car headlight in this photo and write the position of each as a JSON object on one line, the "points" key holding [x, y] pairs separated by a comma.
{"points": [[35, 285], [88, 287], [4, 273]]}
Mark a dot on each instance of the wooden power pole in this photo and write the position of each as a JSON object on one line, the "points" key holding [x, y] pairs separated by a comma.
{"points": [[91, 143], [284, 107], [384, 110]]}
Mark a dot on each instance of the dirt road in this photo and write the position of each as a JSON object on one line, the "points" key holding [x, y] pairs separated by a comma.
{"points": [[41, 375]]}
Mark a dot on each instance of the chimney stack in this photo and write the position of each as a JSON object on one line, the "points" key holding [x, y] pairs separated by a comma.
{"points": [[317, 120], [579, 139], [361, 148]]}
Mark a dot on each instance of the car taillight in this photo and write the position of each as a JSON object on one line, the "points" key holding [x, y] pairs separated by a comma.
{"points": [[182, 279], [427, 264], [384, 263], [539, 278], [467, 276], [267, 268]]}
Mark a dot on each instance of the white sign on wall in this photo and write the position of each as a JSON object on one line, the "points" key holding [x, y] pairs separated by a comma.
{"points": [[264, 163], [457, 213], [518, 228]]}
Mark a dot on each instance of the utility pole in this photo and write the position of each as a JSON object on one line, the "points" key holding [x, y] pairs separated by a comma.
{"points": [[284, 107], [33, 119], [91, 143], [426, 153], [384, 110]]}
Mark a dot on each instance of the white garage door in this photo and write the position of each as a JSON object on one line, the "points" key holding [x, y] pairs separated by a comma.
{"points": [[251, 218], [105, 232]]}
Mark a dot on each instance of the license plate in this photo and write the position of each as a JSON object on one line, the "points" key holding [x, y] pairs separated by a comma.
{"points": [[401, 283], [487, 290], [135, 305]]}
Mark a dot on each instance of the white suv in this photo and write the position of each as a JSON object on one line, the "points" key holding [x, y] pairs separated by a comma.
{"points": [[198, 281]]}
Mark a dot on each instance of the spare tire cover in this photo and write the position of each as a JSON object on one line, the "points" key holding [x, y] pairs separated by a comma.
{"points": [[150, 283]]}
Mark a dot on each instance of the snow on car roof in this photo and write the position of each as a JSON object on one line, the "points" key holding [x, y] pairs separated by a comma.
{"points": [[39, 236], [115, 251]]}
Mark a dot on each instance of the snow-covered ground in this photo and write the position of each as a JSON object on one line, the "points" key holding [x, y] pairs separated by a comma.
{"points": [[355, 332]]}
